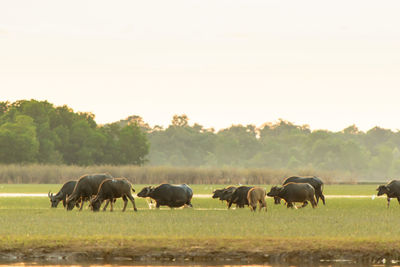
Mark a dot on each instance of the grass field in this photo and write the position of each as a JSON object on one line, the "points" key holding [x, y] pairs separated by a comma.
{"points": [[352, 224]]}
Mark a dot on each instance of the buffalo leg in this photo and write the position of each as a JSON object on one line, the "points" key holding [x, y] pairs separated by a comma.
{"points": [[290, 205], [253, 207], [398, 199], [317, 195], [313, 203], [125, 202], [230, 204], [263, 204], [305, 203], [106, 205], [111, 206], [133, 202], [80, 209], [323, 198]]}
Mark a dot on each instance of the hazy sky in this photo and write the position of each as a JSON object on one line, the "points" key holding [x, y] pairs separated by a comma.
{"points": [[329, 64]]}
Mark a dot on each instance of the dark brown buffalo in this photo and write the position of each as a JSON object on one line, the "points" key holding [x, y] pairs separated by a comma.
{"points": [[239, 197], [391, 189], [110, 189], [224, 194], [169, 195], [293, 192], [312, 180], [86, 187], [65, 190]]}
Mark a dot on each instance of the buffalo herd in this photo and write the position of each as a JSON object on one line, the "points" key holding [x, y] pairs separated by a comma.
{"points": [[97, 188]]}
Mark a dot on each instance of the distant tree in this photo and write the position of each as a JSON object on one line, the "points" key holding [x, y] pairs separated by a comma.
{"points": [[180, 121], [137, 120], [377, 136], [133, 145], [4, 107], [236, 145], [62, 135], [351, 130], [18, 143], [181, 144]]}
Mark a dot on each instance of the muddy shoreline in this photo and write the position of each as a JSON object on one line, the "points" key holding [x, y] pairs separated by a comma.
{"points": [[199, 257]]}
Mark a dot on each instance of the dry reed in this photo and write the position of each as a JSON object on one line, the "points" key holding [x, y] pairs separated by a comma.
{"points": [[56, 174]]}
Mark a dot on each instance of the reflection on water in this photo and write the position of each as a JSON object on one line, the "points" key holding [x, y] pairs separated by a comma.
{"points": [[332, 264]]}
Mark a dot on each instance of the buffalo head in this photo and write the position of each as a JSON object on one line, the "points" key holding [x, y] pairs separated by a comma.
{"points": [[274, 192], [217, 193], [95, 203], [382, 189], [71, 202], [227, 193], [145, 192], [54, 200]]}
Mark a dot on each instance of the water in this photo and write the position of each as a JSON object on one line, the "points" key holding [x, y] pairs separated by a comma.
{"points": [[138, 264]]}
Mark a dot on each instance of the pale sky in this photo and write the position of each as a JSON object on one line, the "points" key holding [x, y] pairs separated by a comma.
{"points": [[329, 64]]}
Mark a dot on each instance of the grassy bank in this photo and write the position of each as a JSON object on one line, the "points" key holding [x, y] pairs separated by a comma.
{"points": [[347, 219], [359, 227]]}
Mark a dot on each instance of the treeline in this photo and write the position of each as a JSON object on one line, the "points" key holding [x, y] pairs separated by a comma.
{"points": [[371, 155], [38, 132]]}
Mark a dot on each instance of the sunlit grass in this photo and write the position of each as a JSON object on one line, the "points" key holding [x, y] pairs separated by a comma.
{"points": [[344, 218]]}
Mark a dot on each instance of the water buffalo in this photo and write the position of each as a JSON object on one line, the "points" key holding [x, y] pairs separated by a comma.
{"points": [[224, 194], [169, 195], [239, 197], [391, 189], [312, 180], [256, 195], [293, 192], [110, 189], [86, 187], [65, 190]]}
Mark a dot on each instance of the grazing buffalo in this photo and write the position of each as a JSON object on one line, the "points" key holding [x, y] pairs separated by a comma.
{"points": [[255, 196], [239, 197], [312, 180], [293, 192], [86, 187], [391, 189], [224, 194], [110, 189], [169, 195], [65, 190]]}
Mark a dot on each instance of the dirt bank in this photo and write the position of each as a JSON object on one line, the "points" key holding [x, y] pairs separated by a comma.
{"points": [[137, 255]]}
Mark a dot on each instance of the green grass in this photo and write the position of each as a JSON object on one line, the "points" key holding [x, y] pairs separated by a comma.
{"points": [[343, 218], [363, 224], [363, 189]]}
